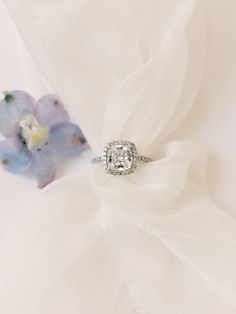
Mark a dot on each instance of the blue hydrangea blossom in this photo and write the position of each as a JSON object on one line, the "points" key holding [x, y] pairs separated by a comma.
{"points": [[37, 133]]}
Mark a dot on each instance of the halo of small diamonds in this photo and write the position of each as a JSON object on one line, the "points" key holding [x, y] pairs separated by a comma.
{"points": [[120, 158]]}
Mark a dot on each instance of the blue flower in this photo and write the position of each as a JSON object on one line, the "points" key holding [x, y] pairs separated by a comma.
{"points": [[36, 134]]}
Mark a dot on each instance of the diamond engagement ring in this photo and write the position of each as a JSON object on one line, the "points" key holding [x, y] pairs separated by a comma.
{"points": [[120, 158]]}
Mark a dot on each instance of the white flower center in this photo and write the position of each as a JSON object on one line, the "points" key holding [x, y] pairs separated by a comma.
{"points": [[34, 134]]}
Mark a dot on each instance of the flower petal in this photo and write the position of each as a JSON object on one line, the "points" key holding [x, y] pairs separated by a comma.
{"points": [[43, 167], [67, 140], [50, 111], [13, 156], [12, 108]]}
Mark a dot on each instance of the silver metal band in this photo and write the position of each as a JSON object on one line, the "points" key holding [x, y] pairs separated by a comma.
{"points": [[99, 159], [144, 159], [96, 160]]}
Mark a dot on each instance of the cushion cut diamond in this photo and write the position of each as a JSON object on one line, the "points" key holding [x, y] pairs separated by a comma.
{"points": [[120, 158]]}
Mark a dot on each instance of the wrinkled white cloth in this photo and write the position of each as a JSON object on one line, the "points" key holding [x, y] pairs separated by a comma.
{"points": [[149, 243]]}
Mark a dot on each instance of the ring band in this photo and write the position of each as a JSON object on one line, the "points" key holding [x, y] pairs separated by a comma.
{"points": [[120, 158], [99, 159]]}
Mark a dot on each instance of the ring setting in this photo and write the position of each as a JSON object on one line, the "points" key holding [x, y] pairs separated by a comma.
{"points": [[120, 158]]}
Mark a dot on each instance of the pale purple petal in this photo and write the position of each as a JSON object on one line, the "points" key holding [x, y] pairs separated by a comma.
{"points": [[50, 111], [67, 140], [13, 156], [13, 108], [43, 167]]}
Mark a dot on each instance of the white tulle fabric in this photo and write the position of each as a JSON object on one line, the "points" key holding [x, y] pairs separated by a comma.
{"points": [[149, 243]]}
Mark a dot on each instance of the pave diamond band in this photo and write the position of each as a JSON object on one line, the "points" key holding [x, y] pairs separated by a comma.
{"points": [[120, 158], [144, 159], [96, 160]]}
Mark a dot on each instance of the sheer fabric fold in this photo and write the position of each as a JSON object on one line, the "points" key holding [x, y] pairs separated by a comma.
{"points": [[153, 242]]}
